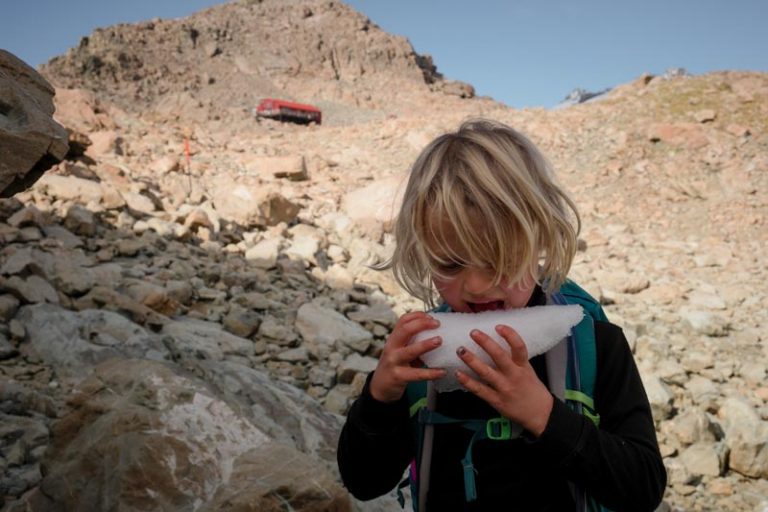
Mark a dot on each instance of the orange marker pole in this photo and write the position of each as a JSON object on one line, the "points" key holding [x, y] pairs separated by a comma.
{"points": [[187, 153]]}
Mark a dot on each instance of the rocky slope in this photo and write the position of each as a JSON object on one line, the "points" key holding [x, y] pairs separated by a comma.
{"points": [[219, 308]]}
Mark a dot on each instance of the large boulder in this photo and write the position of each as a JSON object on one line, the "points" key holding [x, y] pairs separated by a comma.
{"points": [[30, 140], [251, 203], [141, 435]]}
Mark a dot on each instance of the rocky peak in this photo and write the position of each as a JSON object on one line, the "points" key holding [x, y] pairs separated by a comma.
{"points": [[223, 60]]}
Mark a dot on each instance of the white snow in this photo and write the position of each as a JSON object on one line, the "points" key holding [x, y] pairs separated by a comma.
{"points": [[540, 328]]}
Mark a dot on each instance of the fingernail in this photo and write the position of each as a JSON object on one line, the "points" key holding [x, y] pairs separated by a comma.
{"points": [[437, 341], [461, 351], [474, 332]]}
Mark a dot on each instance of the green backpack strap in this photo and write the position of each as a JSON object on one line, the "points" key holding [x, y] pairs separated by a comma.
{"points": [[582, 370]]}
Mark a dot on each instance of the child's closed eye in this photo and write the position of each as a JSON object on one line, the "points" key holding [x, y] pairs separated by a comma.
{"points": [[449, 267]]}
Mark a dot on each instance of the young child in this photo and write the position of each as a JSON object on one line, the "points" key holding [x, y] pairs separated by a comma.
{"points": [[484, 227]]}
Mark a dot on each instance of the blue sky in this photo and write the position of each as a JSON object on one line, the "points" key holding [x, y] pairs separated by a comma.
{"points": [[521, 52]]}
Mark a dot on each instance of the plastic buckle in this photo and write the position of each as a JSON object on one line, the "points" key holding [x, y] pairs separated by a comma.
{"points": [[498, 429]]}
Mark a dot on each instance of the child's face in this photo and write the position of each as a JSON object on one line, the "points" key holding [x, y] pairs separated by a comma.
{"points": [[470, 289]]}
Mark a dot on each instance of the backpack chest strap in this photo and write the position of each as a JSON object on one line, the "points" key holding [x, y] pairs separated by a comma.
{"points": [[495, 429]]}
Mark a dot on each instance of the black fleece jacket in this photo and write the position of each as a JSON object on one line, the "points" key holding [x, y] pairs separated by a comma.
{"points": [[618, 463]]}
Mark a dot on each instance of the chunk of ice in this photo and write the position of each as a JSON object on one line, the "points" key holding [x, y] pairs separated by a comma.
{"points": [[540, 327]]}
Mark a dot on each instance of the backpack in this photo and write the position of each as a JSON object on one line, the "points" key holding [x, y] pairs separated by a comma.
{"points": [[571, 370]]}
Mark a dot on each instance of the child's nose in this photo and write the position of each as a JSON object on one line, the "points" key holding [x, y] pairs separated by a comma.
{"points": [[477, 281]]}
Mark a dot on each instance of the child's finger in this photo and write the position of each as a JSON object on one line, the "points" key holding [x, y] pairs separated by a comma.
{"points": [[484, 371], [516, 344], [417, 374], [405, 330], [416, 350], [499, 356]]}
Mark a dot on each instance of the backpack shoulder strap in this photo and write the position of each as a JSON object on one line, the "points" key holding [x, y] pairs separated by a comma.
{"points": [[581, 364], [581, 371]]}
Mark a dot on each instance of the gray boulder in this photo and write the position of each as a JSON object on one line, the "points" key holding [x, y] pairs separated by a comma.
{"points": [[30, 140], [142, 435]]}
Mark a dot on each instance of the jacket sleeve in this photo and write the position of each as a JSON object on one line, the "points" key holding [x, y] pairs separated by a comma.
{"points": [[619, 462], [375, 445]]}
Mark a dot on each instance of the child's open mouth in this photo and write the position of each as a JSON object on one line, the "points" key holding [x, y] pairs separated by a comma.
{"points": [[478, 307]]}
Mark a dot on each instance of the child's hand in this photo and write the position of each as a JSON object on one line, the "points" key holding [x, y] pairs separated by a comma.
{"points": [[399, 362], [513, 388]]}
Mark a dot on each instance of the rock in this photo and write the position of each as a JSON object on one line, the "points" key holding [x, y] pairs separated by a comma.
{"points": [[692, 427], [7, 349], [705, 116], [80, 221], [704, 322], [289, 416], [294, 355], [241, 322], [27, 216], [103, 297], [677, 472], [711, 301], [164, 165], [204, 340], [73, 342], [63, 236], [456, 88], [211, 49], [141, 436], [24, 439], [70, 188], [303, 248], [659, 396], [151, 295], [71, 278], [339, 398], [379, 313], [323, 326], [29, 261], [688, 135], [276, 330], [338, 277], [264, 254], [355, 364], [292, 168], [198, 218], [696, 361], [33, 289], [105, 142], [139, 202], [256, 483], [738, 130], [705, 459], [252, 300], [747, 437], [703, 392], [252, 205], [8, 307], [373, 207], [30, 140], [82, 111], [179, 291]]}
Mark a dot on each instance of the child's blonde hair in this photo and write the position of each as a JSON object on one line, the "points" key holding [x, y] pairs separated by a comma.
{"points": [[490, 189]]}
